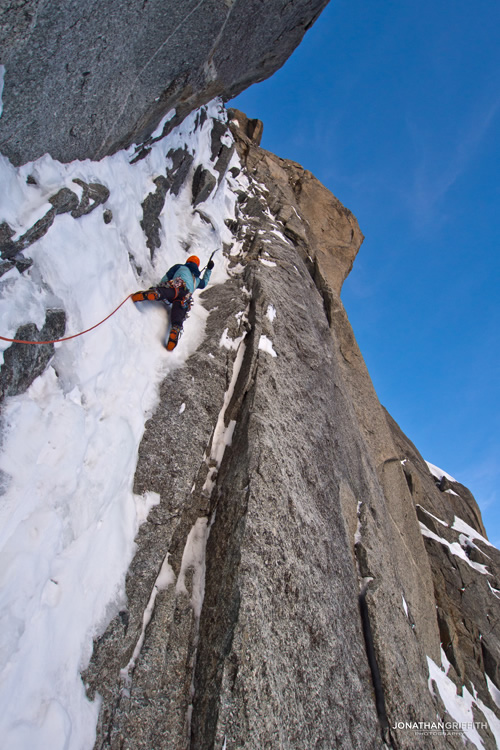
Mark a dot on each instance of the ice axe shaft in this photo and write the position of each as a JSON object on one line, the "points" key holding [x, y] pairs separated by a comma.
{"points": [[215, 251]]}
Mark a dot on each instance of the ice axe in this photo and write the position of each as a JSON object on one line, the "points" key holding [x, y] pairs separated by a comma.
{"points": [[215, 251]]}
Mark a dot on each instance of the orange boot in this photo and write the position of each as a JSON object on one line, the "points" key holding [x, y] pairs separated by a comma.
{"points": [[151, 295], [175, 333]]}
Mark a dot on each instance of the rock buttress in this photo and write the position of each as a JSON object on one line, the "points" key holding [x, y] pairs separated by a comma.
{"points": [[82, 83], [276, 657], [288, 591], [381, 518], [466, 575]]}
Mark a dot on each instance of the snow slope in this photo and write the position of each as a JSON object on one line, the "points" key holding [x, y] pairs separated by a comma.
{"points": [[68, 515]]}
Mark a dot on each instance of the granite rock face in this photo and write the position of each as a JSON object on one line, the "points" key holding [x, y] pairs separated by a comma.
{"points": [[64, 201], [303, 567], [22, 362], [83, 81], [297, 596], [203, 184], [276, 656], [465, 569]]}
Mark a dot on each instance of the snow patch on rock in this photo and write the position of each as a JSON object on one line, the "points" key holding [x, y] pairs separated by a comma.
{"points": [[266, 345], [460, 707], [439, 473]]}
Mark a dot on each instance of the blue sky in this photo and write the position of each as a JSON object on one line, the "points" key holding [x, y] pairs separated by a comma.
{"points": [[395, 107]]}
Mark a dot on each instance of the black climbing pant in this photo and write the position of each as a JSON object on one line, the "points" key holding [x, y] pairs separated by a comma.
{"points": [[177, 298]]}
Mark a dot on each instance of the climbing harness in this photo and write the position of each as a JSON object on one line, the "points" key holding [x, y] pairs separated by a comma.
{"points": [[178, 284], [67, 338]]}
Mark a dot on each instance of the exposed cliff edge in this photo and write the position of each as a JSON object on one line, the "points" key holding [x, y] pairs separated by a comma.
{"points": [[84, 81], [297, 600]]}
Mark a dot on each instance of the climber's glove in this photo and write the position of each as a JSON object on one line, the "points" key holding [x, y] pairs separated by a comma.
{"points": [[210, 265]]}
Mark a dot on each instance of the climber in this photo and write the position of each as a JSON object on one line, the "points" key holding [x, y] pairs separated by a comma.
{"points": [[177, 287]]}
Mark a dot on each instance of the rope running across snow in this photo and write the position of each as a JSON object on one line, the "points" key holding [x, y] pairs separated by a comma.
{"points": [[67, 338]]}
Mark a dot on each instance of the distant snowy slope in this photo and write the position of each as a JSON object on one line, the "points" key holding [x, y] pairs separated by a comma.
{"points": [[68, 516]]}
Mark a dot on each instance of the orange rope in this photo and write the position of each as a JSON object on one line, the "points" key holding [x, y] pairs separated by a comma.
{"points": [[67, 338]]}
